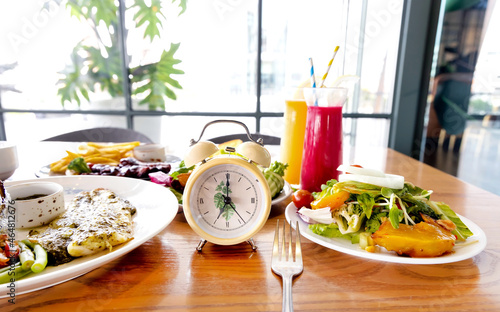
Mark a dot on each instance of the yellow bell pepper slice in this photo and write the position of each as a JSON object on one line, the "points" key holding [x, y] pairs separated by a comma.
{"points": [[333, 201]]}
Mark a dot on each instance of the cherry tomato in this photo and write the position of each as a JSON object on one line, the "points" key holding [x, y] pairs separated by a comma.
{"points": [[302, 198], [11, 251]]}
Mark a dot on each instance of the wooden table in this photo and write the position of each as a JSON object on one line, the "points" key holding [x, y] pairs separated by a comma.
{"points": [[167, 273]]}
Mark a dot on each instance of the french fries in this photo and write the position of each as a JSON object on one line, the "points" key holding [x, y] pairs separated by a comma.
{"points": [[96, 153]]}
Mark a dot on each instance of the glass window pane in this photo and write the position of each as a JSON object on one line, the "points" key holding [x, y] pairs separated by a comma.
{"points": [[293, 32], [366, 132], [372, 51], [151, 126], [481, 140], [218, 55], [486, 83], [272, 126], [58, 58]]}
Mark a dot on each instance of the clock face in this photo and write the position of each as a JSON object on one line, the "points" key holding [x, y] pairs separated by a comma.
{"points": [[228, 200]]}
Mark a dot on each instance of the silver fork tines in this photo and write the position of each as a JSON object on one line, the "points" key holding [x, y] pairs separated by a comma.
{"points": [[285, 264]]}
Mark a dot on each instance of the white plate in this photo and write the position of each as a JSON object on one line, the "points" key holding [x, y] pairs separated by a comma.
{"points": [[284, 194], [156, 208], [473, 246], [44, 171]]}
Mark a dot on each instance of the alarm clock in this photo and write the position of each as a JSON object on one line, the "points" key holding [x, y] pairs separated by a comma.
{"points": [[226, 199]]}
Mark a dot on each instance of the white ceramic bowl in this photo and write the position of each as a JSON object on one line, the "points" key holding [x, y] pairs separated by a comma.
{"points": [[8, 160], [36, 203], [150, 153]]}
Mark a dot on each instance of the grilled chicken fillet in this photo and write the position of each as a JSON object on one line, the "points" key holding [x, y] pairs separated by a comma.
{"points": [[94, 221]]}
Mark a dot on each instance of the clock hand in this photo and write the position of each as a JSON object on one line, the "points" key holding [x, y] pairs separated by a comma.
{"points": [[227, 185], [234, 208], [220, 213]]}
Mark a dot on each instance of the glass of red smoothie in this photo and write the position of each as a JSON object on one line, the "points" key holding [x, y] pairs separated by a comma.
{"points": [[322, 152]]}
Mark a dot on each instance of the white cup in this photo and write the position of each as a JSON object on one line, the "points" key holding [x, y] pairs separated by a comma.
{"points": [[150, 153], [8, 160], [36, 203]]}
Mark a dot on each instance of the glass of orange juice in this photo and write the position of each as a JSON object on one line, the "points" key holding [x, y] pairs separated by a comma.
{"points": [[292, 140]]}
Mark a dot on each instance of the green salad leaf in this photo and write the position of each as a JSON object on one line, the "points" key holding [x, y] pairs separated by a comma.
{"points": [[355, 187], [395, 216], [372, 225], [182, 169], [328, 230], [177, 194], [446, 213], [366, 201], [278, 168], [326, 189], [274, 177]]}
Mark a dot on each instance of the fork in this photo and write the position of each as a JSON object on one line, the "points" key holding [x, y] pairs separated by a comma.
{"points": [[285, 266]]}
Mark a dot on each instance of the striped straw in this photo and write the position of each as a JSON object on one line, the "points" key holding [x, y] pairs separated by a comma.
{"points": [[329, 65], [313, 82]]}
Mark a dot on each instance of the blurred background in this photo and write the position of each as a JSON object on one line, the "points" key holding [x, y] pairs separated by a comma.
{"points": [[428, 73]]}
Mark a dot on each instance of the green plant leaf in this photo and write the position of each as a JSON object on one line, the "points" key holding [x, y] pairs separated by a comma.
{"points": [[85, 94], [150, 17], [223, 188], [75, 10], [219, 200], [228, 212], [94, 10], [74, 86], [106, 71], [158, 79], [182, 5]]}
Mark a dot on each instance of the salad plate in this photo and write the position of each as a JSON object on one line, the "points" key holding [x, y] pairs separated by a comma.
{"points": [[473, 246], [284, 194], [156, 208]]}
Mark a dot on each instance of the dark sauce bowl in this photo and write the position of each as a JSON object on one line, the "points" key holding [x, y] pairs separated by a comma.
{"points": [[35, 203]]}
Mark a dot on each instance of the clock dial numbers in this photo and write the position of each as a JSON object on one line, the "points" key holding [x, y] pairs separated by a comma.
{"points": [[227, 199]]}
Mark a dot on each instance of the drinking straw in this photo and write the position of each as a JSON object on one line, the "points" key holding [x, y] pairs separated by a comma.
{"points": [[329, 65], [313, 82]]}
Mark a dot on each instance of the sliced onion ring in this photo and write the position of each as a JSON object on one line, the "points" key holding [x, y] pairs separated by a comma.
{"points": [[361, 171], [321, 215], [389, 180]]}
